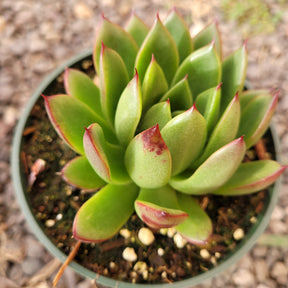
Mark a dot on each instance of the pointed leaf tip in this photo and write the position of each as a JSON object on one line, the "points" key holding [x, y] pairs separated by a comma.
{"points": [[147, 150], [219, 86]]}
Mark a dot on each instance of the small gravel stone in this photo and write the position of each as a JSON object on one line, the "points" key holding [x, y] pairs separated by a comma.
{"points": [[140, 267], [179, 241], [125, 233], [238, 234], [129, 254], [280, 273], [261, 270], [243, 278], [160, 251], [146, 236], [204, 253], [31, 265], [50, 223]]}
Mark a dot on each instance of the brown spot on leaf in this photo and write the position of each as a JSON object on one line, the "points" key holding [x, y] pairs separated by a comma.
{"points": [[153, 140]]}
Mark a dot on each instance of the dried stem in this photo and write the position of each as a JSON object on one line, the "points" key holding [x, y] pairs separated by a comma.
{"points": [[70, 257]]}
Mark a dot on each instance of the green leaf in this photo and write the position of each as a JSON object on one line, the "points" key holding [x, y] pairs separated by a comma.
{"points": [[251, 177], [256, 117], [208, 104], [159, 208], [247, 96], [214, 172], [154, 84], [79, 173], [148, 160], [179, 95], [185, 136], [160, 43], [113, 78], [80, 86], [116, 38], [103, 215], [203, 68], [198, 227], [69, 116], [207, 35], [105, 158], [233, 75], [137, 29], [179, 30], [224, 132], [128, 111], [159, 113]]}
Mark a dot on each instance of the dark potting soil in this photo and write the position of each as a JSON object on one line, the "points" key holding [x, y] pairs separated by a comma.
{"points": [[55, 204]]}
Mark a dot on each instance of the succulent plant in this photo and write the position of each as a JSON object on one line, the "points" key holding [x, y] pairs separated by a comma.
{"points": [[167, 122]]}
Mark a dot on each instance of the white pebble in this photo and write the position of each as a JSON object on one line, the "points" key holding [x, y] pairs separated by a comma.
{"points": [[160, 251], [253, 220], [59, 216], [129, 254], [163, 231], [204, 253], [164, 275], [125, 233], [238, 234], [217, 255], [140, 267], [146, 236], [50, 223], [171, 232], [145, 274], [179, 241]]}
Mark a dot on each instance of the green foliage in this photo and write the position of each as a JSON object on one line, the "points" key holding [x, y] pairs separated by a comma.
{"points": [[253, 16], [168, 122]]}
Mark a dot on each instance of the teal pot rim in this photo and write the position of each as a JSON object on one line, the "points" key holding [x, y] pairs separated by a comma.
{"points": [[243, 247]]}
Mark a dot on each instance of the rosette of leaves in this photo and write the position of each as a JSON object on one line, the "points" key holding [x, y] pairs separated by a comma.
{"points": [[167, 122]]}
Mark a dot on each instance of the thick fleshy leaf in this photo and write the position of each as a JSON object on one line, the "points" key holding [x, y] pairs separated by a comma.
{"points": [[137, 29], [208, 104], [128, 111], [116, 38], [148, 160], [69, 116], [256, 117], [105, 158], [179, 30], [249, 95], [185, 136], [103, 215], [79, 173], [203, 68], [252, 177], [214, 172], [179, 95], [198, 227], [159, 43], [224, 132], [159, 113], [233, 75], [207, 35], [159, 208], [154, 84], [113, 79], [82, 87]]}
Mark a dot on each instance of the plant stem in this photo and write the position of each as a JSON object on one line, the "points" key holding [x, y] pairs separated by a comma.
{"points": [[70, 257]]}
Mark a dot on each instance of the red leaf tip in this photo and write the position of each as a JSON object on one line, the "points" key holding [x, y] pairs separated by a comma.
{"points": [[219, 86], [153, 141]]}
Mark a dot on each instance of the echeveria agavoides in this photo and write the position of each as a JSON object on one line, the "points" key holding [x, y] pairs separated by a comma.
{"points": [[168, 120]]}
